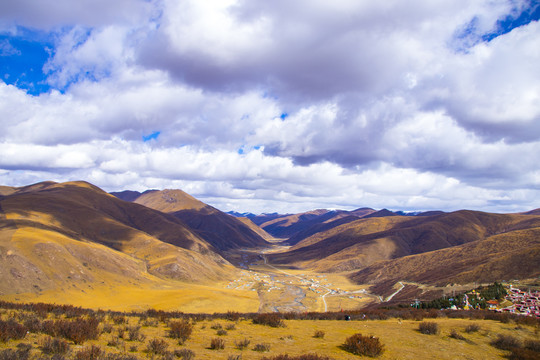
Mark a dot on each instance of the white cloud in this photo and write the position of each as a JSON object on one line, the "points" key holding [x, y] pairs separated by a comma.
{"points": [[385, 104]]}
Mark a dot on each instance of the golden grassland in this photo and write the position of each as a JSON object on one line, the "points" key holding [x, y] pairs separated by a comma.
{"points": [[401, 338]]}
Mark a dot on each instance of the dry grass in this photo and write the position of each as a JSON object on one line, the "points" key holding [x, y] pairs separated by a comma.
{"points": [[401, 339]]}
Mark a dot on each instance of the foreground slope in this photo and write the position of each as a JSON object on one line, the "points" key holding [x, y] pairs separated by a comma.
{"points": [[223, 231], [74, 235]]}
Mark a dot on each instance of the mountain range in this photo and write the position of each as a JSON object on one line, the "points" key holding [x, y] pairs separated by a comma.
{"points": [[75, 236]]}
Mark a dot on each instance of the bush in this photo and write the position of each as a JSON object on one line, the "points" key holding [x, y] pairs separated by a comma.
{"points": [[235, 357], [89, 353], [216, 326], [506, 342], [11, 330], [51, 345], [319, 334], [359, 344], [22, 353], [262, 347], [78, 330], [217, 344], [523, 354], [533, 345], [184, 354], [180, 330], [242, 344], [472, 328], [134, 333], [230, 327], [273, 320], [221, 332], [157, 347], [455, 335], [428, 328], [298, 357]]}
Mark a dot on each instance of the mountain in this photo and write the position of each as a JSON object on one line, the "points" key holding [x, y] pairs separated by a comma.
{"points": [[222, 231], [511, 255], [60, 236], [363, 242]]}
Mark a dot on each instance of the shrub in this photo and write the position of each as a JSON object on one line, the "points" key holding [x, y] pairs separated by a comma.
{"points": [[89, 353], [119, 319], [107, 328], [319, 334], [180, 330], [22, 353], [217, 344], [11, 330], [134, 333], [235, 357], [523, 354], [221, 332], [359, 344], [242, 344], [428, 328], [184, 354], [78, 330], [230, 327], [51, 345], [533, 345], [216, 326], [262, 347], [506, 342], [298, 357], [455, 335], [157, 347], [273, 320], [472, 328]]}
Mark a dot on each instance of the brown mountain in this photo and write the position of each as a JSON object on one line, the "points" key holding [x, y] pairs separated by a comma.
{"points": [[223, 231], [511, 255], [57, 236], [363, 242]]}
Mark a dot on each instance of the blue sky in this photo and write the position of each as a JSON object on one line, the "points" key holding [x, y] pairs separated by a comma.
{"points": [[417, 106]]}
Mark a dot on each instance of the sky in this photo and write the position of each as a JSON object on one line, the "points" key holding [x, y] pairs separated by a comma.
{"points": [[277, 106]]}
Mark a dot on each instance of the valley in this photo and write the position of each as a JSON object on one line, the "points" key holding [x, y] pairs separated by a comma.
{"points": [[73, 243]]}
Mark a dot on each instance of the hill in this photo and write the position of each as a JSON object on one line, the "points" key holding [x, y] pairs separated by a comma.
{"points": [[363, 242], [223, 231], [74, 235]]}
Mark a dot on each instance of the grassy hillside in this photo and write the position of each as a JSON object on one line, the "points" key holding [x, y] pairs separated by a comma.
{"points": [[223, 231], [363, 242], [512, 255], [73, 236]]}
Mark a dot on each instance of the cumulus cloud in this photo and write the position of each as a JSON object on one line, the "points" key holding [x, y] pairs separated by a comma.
{"points": [[267, 106]]}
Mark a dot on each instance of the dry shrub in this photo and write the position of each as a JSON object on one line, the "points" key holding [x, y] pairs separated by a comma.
{"points": [[359, 344], [262, 347], [217, 344], [235, 357], [319, 334], [11, 330], [428, 328], [134, 333], [242, 344], [184, 354], [472, 328], [455, 335], [269, 319], [180, 330], [230, 327], [216, 326], [157, 347], [221, 332], [533, 345], [22, 353], [298, 357], [506, 342], [78, 330], [523, 354], [89, 353], [51, 345]]}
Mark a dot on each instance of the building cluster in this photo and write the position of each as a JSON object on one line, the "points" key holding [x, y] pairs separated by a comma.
{"points": [[523, 302]]}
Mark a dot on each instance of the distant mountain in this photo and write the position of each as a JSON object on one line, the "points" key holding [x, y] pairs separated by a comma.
{"points": [[59, 236], [362, 243], [240, 215], [223, 231]]}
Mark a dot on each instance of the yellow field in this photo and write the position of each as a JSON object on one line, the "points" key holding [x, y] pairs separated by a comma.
{"points": [[400, 338]]}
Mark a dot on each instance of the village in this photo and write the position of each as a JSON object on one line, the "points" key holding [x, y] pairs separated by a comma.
{"points": [[522, 302]]}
